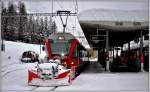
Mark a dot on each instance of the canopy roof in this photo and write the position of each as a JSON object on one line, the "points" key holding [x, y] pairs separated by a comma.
{"points": [[123, 25], [114, 15]]}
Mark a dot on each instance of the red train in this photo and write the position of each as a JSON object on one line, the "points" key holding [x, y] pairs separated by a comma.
{"points": [[61, 62], [63, 46]]}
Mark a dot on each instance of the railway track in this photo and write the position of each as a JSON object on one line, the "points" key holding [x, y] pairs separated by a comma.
{"points": [[5, 66], [3, 75], [53, 89], [38, 88]]}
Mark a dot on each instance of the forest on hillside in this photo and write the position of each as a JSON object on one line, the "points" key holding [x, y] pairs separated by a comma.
{"points": [[18, 25]]}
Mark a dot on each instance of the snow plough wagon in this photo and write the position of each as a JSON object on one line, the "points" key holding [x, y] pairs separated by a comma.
{"points": [[59, 65]]}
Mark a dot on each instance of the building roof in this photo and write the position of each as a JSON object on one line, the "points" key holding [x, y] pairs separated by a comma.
{"points": [[114, 15], [132, 23]]}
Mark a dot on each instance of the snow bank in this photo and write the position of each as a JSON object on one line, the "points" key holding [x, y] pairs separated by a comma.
{"points": [[14, 73], [14, 50]]}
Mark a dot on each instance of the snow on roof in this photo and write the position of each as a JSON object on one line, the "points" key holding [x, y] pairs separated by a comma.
{"points": [[114, 15]]}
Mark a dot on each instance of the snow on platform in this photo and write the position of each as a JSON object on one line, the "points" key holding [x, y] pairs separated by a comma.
{"points": [[110, 81]]}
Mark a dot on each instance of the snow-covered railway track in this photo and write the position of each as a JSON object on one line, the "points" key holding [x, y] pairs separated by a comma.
{"points": [[10, 64], [53, 89], [38, 88], [19, 69], [10, 67], [34, 89]]}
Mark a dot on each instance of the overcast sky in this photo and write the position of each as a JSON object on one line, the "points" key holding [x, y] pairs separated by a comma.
{"points": [[44, 6]]}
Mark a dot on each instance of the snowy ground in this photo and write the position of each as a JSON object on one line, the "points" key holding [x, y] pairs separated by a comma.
{"points": [[14, 74], [109, 81]]}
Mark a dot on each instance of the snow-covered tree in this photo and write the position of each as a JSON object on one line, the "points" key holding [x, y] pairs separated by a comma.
{"points": [[4, 21], [22, 21], [12, 22]]}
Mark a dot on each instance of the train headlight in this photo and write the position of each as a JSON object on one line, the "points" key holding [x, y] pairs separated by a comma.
{"points": [[72, 63], [65, 64], [61, 38], [62, 54]]}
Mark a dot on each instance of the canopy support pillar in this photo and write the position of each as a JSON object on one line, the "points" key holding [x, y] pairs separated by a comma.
{"points": [[129, 46], [107, 51], [141, 51]]}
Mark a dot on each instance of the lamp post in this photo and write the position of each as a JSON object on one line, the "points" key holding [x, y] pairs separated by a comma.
{"points": [[107, 50], [40, 42], [141, 51], [1, 32], [0, 26]]}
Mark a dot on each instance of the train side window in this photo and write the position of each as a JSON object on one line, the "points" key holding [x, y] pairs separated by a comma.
{"points": [[75, 53], [69, 41], [119, 23], [136, 23], [51, 41]]}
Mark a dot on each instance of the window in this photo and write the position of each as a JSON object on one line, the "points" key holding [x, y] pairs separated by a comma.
{"points": [[136, 23], [60, 48], [119, 23]]}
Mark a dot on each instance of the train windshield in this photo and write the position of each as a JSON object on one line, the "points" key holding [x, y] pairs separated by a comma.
{"points": [[60, 48]]}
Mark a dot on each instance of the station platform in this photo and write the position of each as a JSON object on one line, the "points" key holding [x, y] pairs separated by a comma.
{"points": [[94, 67]]}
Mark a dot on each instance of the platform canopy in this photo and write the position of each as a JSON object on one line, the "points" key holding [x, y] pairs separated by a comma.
{"points": [[123, 25]]}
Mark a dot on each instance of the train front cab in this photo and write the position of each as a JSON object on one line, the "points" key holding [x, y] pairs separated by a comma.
{"points": [[65, 47]]}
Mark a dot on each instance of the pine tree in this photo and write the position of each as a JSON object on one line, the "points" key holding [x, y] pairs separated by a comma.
{"points": [[4, 22], [49, 31], [22, 21], [41, 25], [29, 28], [45, 25], [37, 25], [12, 22], [53, 27]]}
